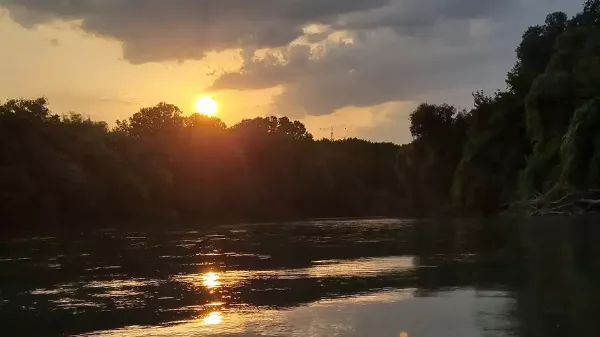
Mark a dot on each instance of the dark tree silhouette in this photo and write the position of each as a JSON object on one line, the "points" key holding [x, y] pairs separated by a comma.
{"points": [[535, 138], [161, 166]]}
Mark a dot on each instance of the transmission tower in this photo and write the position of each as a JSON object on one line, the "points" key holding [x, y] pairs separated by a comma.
{"points": [[331, 138], [331, 130]]}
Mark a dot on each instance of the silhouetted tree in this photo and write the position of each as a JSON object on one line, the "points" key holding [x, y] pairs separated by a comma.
{"points": [[162, 166]]}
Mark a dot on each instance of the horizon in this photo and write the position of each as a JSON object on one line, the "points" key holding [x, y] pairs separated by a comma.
{"points": [[342, 64]]}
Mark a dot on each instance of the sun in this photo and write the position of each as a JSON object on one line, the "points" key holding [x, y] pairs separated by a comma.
{"points": [[207, 106]]}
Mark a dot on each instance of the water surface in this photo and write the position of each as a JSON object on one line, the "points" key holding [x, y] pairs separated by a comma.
{"points": [[500, 277]]}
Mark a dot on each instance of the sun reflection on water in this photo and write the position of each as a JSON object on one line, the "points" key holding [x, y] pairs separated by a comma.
{"points": [[211, 280], [213, 318]]}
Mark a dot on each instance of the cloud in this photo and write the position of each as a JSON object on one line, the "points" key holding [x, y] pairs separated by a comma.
{"points": [[158, 30], [375, 69], [364, 52], [405, 51], [417, 17], [391, 123]]}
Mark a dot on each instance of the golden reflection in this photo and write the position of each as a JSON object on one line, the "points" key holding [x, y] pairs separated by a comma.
{"points": [[213, 318], [211, 280], [215, 304], [403, 334]]}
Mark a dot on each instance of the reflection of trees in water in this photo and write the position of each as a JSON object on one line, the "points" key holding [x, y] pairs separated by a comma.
{"points": [[464, 253], [470, 254], [550, 269], [559, 290]]}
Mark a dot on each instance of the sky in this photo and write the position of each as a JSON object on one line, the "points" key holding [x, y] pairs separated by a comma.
{"points": [[359, 66]]}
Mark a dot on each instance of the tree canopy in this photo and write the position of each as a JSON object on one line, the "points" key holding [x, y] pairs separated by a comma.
{"points": [[536, 137], [163, 165]]}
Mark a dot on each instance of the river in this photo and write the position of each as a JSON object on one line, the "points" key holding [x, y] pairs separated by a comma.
{"points": [[383, 277]]}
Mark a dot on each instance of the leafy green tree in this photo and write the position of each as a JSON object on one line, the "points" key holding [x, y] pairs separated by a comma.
{"points": [[560, 114], [534, 52], [494, 152], [281, 126], [430, 161]]}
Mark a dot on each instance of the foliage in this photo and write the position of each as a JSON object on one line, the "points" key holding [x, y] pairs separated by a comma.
{"points": [[161, 165], [539, 136], [426, 166], [493, 153], [580, 150], [562, 110]]}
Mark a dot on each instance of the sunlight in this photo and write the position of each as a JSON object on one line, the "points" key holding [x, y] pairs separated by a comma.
{"points": [[207, 106], [211, 280], [213, 318]]}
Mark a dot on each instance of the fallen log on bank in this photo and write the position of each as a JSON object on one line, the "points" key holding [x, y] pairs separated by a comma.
{"points": [[571, 203]]}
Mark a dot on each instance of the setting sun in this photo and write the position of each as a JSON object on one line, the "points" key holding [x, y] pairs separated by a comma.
{"points": [[207, 106]]}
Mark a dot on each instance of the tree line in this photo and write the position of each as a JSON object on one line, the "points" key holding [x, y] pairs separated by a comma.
{"points": [[160, 165], [538, 139]]}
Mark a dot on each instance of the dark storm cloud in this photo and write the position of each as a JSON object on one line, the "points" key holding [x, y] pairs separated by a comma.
{"points": [[406, 15], [401, 50], [407, 51], [159, 30], [351, 75], [379, 68]]}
